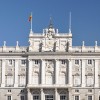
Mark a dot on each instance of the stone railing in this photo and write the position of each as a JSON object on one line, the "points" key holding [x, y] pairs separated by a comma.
{"points": [[85, 49], [12, 49]]}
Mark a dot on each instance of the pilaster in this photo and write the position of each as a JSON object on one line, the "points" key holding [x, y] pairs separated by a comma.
{"points": [[83, 73], [70, 94], [96, 73], [42, 71], [56, 71], [30, 71], [70, 72], [56, 94], [3, 73], [16, 74], [29, 96], [42, 94]]}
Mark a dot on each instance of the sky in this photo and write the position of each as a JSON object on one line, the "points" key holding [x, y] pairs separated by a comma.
{"points": [[14, 14]]}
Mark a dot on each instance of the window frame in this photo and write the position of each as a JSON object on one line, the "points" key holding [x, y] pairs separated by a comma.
{"points": [[23, 62], [88, 96], [63, 61], [77, 62], [8, 98], [89, 61], [63, 95], [10, 62], [36, 62], [22, 96], [49, 95], [76, 96], [36, 95]]}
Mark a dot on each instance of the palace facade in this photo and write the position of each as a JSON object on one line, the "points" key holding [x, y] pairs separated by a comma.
{"points": [[50, 68]]}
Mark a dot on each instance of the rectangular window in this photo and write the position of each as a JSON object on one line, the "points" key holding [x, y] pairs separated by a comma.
{"points": [[36, 61], [76, 97], [48, 97], [63, 61], [22, 98], [89, 90], [8, 97], [63, 97], [89, 61], [89, 97], [35, 97], [9, 90], [76, 90], [77, 62], [10, 62], [23, 62]]}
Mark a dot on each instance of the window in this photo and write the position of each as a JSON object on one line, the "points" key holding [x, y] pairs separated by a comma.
{"points": [[89, 97], [22, 91], [22, 98], [89, 90], [63, 61], [10, 62], [8, 97], [23, 62], [77, 62], [9, 90], [76, 90], [89, 61], [10, 51], [63, 97], [35, 97], [36, 61], [76, 97], [48, 97]]}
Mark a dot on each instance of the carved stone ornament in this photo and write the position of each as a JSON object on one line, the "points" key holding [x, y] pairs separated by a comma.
{"points": [[49, 67], [49, 44]]}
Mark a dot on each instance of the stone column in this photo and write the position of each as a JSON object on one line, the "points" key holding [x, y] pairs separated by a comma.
{"points": [[30, 72], [96, 73], [83, 73], [42, 94], [3, 73], [56, 94], [16, 74], [56, 71], [70, 94], [29, 96], [70, 72], [42, 71]]}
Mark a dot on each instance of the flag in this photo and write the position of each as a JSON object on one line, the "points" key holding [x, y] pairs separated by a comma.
{"points": [[30, 18]]}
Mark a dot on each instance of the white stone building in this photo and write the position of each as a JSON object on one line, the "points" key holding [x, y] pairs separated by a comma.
{"points": [[50, 68]]}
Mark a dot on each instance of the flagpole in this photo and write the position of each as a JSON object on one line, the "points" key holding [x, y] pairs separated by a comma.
{"points": [[70, 22], [31, 21]]}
